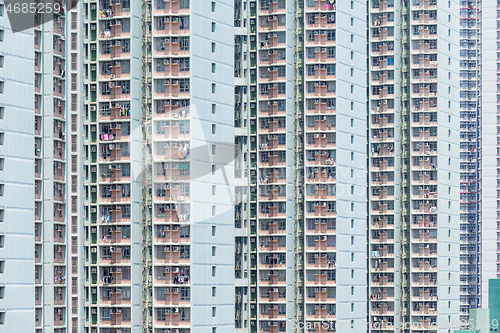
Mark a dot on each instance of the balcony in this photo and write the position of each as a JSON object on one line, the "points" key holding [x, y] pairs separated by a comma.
{"points": [[272, 228], [114, 10], [114, 49], [322, 211], [171, 46], [171, 255], [172, 25], [114, 174], [322, 279], [321, 20], [170, 234], [381, 308], [323, 5], [115, 298], [115, 237], [273, 295], [321, 72]]}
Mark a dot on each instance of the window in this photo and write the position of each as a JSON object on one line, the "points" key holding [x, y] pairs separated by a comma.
{"points": [[330, 35], [160, 126], [183, 43], [184, 127], [213, 6], [184, 85], [2, 32], [213, 26], [160, 313], [126, 5], [213, 128], [213, 67]]}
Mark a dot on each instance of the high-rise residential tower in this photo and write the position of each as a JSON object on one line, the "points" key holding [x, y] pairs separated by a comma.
{"points": [[17, 200], [490, 124], [414, 136], [51, 172], [159, 201], [470, 157], [203, 166]]}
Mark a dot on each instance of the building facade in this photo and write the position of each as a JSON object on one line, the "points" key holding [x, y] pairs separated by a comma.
{"points": [[414, 167], [51, 173], [158, 199], [470, 157], [489, 127], [17, 181], [202, 166]]}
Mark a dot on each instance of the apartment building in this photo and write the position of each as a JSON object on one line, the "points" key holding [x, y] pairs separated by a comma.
{"points": [[17, 200], [51, 172], [159, 211], [470, 158], [294, 155], [414, 136], [334, 168], [490, 99], [201, 200]]}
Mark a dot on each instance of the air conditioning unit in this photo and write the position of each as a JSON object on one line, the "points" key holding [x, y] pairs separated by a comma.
{"points": [[113, 76]]}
